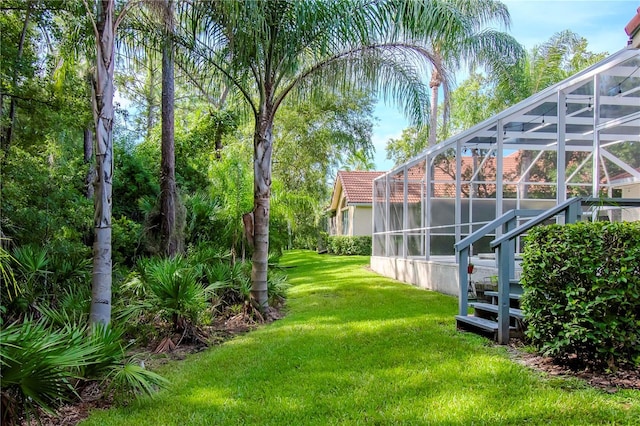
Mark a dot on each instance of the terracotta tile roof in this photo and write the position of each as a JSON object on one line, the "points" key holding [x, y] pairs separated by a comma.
{"points": [[356, 186], [445, 172], [634, 25]]}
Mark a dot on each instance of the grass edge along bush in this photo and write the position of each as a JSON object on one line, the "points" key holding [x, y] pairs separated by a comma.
{"points": [[347, 245], [582, 292]]}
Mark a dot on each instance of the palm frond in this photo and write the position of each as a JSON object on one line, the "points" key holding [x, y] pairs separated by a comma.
{"points": [[132, 377]]}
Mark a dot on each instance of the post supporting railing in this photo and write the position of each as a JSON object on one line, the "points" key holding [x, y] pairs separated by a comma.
{"points": [[508, 221], [505, 247]]}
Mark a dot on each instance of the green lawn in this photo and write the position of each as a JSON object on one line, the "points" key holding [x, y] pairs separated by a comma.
{"points": [[356, 348]]}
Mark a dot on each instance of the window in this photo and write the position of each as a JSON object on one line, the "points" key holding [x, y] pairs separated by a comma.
{"points": [[345, 222]]}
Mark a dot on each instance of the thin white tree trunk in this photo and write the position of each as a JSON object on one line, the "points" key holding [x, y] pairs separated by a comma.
{"points": [[263, 140], [103, 90]]}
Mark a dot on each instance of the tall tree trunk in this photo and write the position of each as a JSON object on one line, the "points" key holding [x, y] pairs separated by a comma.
{"points": [[168, 192], [7, 137], [88, 157], [103, 114], [434, 84], [262, 150]]}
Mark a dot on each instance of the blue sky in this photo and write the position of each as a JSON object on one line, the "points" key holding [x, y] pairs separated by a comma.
{"points": [[533, 22]]}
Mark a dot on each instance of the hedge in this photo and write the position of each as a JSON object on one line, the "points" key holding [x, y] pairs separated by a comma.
{"points": [[582, 292], [343, 245]]}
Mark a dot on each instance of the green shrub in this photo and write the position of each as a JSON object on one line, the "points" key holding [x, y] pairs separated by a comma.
{"points": [[37, 367], [277, 286], [343, 245], [126, 240], [582, 291]]}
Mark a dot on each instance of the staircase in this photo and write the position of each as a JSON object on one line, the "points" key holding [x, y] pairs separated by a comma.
{"points": [[492, 318], [485, 318], [500, 317]]}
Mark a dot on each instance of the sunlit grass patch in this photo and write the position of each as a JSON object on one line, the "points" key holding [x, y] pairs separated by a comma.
{"points": [[356, 348]]}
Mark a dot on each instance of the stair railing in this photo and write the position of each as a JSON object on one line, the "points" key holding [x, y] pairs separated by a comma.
{"points": [[508, 221], [505, 248]]}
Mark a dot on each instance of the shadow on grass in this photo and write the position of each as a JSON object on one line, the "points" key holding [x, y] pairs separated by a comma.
{"points": [[356, 348]]}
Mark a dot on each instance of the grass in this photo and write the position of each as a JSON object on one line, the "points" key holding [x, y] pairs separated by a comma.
{"points": [[356, 348]]}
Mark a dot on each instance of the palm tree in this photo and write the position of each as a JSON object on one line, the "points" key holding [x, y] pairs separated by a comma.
{"points": [[272, 50], [105, 23], [170, 238], [359, 160], [153, 33], [474, 44], [564, 54]]}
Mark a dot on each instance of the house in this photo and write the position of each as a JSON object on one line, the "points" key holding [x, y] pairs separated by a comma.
{"points": [[350, 212], [633, 30], [629, 188]]}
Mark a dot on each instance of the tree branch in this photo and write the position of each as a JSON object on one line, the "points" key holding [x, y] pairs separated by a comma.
{"points": [[93, 21], [50, 104]]}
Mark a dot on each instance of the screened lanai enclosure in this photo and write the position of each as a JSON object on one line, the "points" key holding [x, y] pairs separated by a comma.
{"points": [[580, 137]]}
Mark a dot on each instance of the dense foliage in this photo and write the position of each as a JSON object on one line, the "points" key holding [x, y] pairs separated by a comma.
{"points": [[345, 245], [48, 159], [582, 291], [44, 364]]}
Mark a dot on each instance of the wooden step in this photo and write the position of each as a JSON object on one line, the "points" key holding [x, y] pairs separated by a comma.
{"points": [[512, 296], [481, 323], [488, 307]]}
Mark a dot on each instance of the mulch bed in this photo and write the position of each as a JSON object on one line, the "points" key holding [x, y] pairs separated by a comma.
{"points": [[622, 378]]}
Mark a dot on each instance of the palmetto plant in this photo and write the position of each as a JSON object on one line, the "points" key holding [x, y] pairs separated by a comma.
{"points": [[6, 274], [278, 284], [231, 283], [42, 366], [37, 367], [33, 265], [174, 291], [32, 273]]}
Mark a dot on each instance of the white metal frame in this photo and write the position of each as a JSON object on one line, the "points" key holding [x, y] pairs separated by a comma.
{"points": [[594, 111]]}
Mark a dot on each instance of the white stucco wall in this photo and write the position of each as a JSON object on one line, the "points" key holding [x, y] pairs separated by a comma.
{"points": [[431, 275], [631, 191], [362, 220]]}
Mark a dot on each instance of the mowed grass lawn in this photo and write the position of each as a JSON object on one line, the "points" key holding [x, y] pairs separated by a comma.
{"points": [[356, 348]]}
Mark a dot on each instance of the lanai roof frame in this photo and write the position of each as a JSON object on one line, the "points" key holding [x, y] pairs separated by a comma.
{"points": [[611, 88]]}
